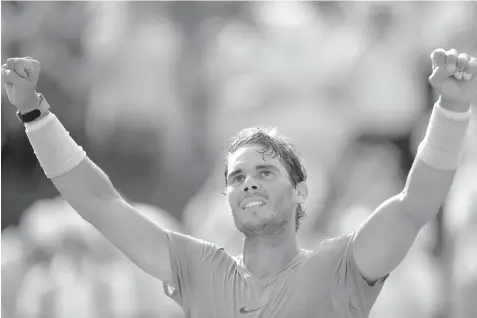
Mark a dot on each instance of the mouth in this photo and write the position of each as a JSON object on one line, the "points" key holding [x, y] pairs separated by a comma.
{"points": [[253, 203]]}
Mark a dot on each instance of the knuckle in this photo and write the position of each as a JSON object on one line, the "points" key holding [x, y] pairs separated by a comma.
{"points": [[461, 60], [451, 55], [438, 54], [11, 62], [438, 58]]}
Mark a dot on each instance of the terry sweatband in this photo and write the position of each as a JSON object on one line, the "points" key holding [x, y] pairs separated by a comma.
{"points": [[441, 147], [56, 151]]}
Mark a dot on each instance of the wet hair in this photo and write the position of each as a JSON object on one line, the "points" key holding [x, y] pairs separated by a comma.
{"points": [[276, 146]]}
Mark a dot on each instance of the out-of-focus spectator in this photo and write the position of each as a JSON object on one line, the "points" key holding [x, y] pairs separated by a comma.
{"points": [[365, 176], [64, 284], [415, 287], [84, 275], [14, 267], [461, 225]]}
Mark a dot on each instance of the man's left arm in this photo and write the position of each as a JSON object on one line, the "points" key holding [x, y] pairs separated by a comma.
{"points": [[384, 239]]}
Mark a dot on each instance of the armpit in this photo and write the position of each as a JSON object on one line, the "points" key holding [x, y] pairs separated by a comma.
{"points": [[375, 282]]}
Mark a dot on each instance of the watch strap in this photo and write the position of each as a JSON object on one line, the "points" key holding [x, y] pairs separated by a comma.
{"points": [[30, 116], [36, 113]]}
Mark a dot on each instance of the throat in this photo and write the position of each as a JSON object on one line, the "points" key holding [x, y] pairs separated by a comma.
{"points": [[264, 256]]}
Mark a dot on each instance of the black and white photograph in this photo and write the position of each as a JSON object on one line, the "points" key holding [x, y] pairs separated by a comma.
{"points": [[238, 159]]}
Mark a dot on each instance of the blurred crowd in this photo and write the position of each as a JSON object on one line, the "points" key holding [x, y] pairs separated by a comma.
{"points": [[153, 91]]}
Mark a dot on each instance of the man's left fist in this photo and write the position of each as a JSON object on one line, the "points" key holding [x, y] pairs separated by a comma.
{"points": [[454, 75]]}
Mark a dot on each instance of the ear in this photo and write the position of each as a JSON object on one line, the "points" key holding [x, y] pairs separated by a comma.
{"points": [[301, 192]]}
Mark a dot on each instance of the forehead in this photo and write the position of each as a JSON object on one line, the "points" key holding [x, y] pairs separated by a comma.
{"points": [[250, 156]]}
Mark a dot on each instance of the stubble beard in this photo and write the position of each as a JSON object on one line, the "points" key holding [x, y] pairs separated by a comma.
{"points": [[268, 228]]}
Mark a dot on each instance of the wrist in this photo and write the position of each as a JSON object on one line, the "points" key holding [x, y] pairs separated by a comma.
{"points": [[31, 103], [34, 111], [452, 105]]}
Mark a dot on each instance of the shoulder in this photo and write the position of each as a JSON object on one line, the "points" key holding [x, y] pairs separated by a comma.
{"points": [[196, 265], [194, 248], [336, 245], [330, 254]]}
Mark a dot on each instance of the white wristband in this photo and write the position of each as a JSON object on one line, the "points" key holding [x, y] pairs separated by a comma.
{"points": [[442, 145], [35, 125], [56, 151]]}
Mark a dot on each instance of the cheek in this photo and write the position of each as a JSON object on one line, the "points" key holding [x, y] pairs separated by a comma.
{"points": [[232, 197], [284, 201]]}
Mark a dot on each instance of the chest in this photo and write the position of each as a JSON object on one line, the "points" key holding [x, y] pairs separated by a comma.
{"points": [[296, 294]]}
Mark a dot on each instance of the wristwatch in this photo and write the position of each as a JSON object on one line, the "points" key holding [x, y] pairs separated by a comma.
{"points": [[30, 116]]}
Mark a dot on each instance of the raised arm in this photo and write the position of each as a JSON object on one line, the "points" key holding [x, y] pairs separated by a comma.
{"points": [[85, 186], [386, 236]]}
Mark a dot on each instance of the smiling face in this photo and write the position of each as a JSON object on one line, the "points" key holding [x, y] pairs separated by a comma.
{"points": [[261, 195]]}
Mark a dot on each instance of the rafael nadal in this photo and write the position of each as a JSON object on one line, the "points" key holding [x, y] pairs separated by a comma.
{"points": [[265, 186]]}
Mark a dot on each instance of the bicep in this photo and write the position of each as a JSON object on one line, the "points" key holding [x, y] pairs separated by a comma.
{"points": [[90, 192], [384, 239], [137, 237]]}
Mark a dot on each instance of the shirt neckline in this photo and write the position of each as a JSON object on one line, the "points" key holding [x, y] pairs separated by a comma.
{"points": [[270, 279]]}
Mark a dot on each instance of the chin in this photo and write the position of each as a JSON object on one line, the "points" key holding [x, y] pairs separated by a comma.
{"points": [[249, 224], [259, 226]]}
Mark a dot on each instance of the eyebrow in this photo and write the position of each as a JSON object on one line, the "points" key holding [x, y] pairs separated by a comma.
{"points": [[259, 167]]}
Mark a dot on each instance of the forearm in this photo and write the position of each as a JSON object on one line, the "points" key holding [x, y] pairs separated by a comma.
{"points": [[75, 176], [433, 170], [426, 190], [84, 185]]}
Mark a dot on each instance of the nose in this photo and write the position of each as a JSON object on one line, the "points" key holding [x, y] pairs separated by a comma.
{"points": [[250, 185], [254, 187]]}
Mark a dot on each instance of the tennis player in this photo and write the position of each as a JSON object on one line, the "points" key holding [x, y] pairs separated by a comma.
{"points": [[265, 186]]}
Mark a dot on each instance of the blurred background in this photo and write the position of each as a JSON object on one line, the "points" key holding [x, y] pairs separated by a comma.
{"points": [[155, 90]]}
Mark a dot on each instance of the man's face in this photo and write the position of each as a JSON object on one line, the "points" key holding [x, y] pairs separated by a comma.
{"points": [[260, 193]]}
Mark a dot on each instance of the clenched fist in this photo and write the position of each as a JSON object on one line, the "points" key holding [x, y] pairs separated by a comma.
{"points": [[454, 75], [20, 76]]}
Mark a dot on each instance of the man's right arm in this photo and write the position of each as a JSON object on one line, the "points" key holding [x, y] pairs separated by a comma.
{"points": [[85, 186], [90, 192]]}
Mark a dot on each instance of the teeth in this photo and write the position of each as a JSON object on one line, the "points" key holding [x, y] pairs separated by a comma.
{"points": [[254, 203]]}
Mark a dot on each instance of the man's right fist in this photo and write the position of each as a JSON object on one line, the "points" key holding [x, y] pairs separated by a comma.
{"points": [[20, 76]]}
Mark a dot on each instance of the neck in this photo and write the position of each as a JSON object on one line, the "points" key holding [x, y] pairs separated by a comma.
{"points": [[264, 255]]}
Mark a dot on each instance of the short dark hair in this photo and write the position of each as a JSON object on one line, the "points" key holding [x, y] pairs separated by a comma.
{"points": [[276, 146]]}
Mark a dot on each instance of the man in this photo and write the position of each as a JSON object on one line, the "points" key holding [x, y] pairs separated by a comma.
{"points": [[266, 187]]}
